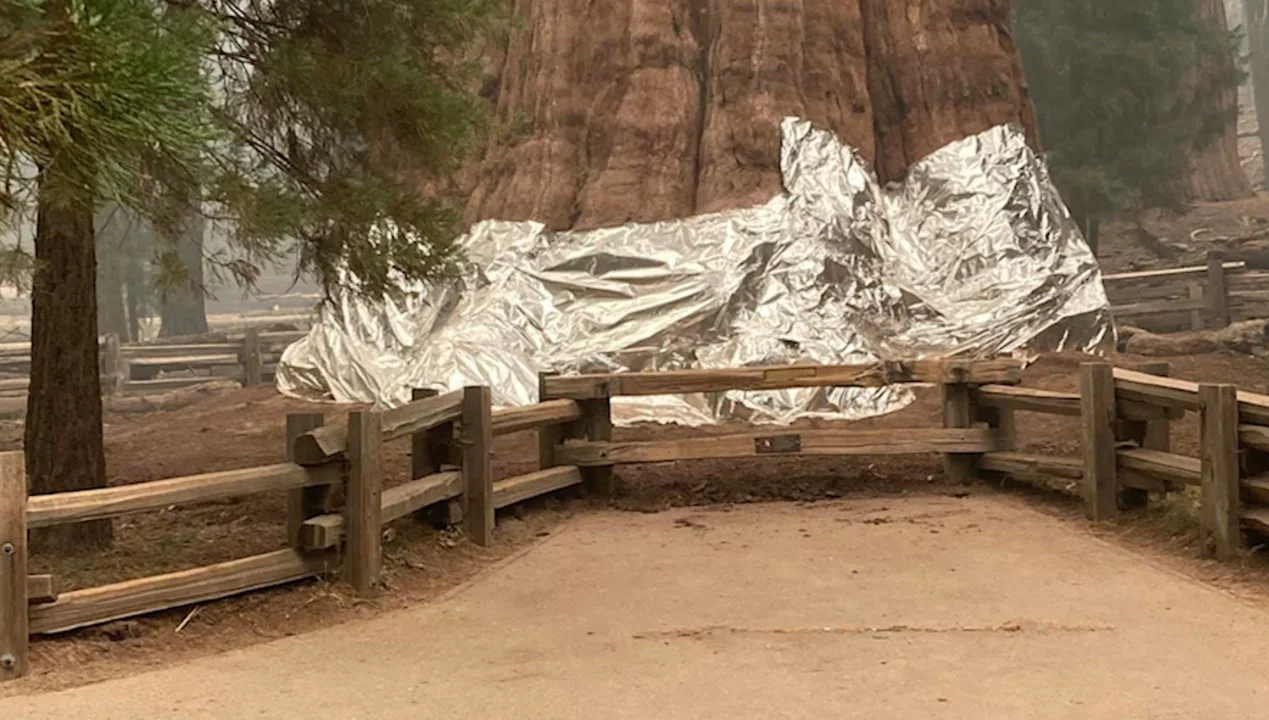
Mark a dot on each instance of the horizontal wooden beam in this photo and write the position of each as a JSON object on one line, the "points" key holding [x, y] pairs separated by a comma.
{"points": [[421, 415], [1256, 519], [79, 608], [551, 412], [1156, 390], [325, 531], [1159, 306], [1170, 273], [1029, 465], [1145, 412], [407, 498], [156, 351], [1029, 399], [585, 387], [803, 442], [279, 337], [41, 589], [183, 360], [1182, 394], [159, 385], [523, 487], [81, 505], [330, 441], [1256, 489], [1176, 469], [1254, 436]]}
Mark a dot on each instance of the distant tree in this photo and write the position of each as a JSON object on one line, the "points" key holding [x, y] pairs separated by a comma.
{"points": [[307, 125], [1126, 93], [1256, 29], [1216, 171], [182, 308], [124, 243]]}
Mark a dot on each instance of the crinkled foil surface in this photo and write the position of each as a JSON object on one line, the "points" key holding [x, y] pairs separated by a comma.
{"points": [[973, 254]]}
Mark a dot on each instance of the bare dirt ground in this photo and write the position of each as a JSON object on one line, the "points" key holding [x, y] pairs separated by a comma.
{"points": [[1162, 239], [924, 606]]}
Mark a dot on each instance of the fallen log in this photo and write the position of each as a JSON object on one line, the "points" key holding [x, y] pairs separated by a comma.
{"points": [[1244, 337], [170, 400]]}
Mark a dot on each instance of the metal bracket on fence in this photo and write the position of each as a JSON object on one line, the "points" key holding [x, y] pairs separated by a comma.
{"points": [[777, 444]]}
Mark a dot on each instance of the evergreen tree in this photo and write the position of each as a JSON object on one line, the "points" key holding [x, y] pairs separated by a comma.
{"points": [[1125, 92], [308, 124]]}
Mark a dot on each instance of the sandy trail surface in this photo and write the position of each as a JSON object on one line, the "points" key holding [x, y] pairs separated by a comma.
{"points": [[900, 607]]}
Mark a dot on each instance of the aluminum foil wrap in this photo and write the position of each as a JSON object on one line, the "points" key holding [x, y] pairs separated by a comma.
{"points": [[973, 254]]}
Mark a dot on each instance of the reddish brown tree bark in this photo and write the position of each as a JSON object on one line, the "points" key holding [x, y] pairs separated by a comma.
{"points": [[1216, 171], [638, 110]]}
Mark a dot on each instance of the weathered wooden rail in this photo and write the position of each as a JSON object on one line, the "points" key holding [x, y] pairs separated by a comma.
{"points": [[1126, 454], [450, 438], [1200, 297], [250, 357], [1126, 450]]}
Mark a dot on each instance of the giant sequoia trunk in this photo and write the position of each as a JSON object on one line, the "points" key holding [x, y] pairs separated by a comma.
{"points": [[63, 442], [1216, 170], [653, 109]]}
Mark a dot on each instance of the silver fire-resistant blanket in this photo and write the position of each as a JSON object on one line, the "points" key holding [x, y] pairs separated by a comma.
{"points": [[973, 254]]}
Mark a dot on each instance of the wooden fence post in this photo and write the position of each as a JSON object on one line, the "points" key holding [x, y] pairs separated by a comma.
{"points": [[1147, 434], [596, 423], [429, 452], [958, 412], [1196, 316], [477, 440], [362, 508], [1219, 510], [551, 437], [13, 592], [111, 365], [1158, 433], [303, 503], [1217, 291], [252, 372], [1097, 420]]}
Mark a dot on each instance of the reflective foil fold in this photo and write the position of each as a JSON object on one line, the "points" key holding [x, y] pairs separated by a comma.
{"points": [[973, 254]]}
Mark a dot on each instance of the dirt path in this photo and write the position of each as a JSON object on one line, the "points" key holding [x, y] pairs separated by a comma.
{"points": [[906, 607]]}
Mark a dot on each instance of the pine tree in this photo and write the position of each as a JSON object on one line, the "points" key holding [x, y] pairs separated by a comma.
{"points": [[1125, 92], [307, 125]]}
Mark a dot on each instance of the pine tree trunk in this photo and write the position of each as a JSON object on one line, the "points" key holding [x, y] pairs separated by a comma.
{"points": [[1256, 28], [184, 311], [1216, 170], [63, 440]]}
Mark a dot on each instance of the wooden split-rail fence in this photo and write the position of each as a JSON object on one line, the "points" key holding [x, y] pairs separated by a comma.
{"points": [[1125, 416], [250, 357], [1201, 297]]}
